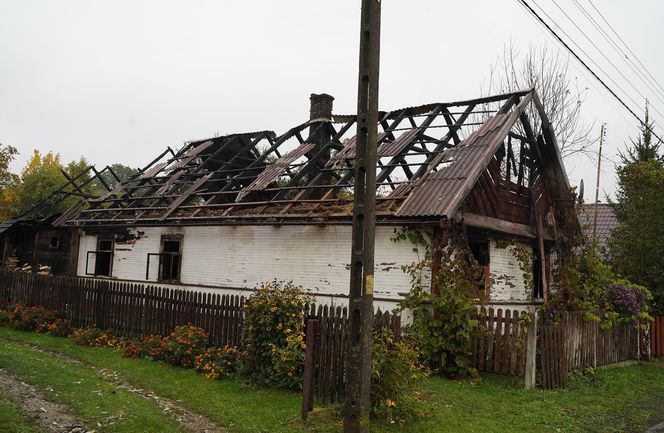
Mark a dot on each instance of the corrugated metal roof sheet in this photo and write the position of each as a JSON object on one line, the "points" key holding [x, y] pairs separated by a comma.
{"points": [[274, 170], [393, 148], [440, 191]]}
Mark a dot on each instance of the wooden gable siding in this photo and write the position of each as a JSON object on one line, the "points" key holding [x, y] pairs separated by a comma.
{"points": [[496, 197]]}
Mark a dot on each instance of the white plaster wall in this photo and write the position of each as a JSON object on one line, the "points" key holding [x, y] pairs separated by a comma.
{"points": [[86, 243], [316, 257], [506, 275]]}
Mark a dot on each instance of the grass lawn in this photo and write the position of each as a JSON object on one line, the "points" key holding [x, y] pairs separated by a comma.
{"points": [[12, 420], [97, 402], [624, 399]]}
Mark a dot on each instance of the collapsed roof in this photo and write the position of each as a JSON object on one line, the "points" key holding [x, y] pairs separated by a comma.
{"points": [[429, 159]]}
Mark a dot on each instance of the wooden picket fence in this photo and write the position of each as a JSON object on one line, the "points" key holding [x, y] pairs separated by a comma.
{"points": [[572, 343], [129, 309], [657, 337], [499, 346], [326, 329]]}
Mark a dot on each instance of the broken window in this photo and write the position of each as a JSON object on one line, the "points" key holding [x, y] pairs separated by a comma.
{"points": [[480, 250], [54, 243], [103, 258], [538, 286], [170, 258]]}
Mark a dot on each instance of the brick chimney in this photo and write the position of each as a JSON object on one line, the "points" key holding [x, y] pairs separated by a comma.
{"points": [[321, 108]]}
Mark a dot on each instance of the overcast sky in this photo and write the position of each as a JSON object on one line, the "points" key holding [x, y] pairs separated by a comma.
{"points": [[117, 81]]}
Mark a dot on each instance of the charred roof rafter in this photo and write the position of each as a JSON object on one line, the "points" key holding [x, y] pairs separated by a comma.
{"points": [[264, 176]]}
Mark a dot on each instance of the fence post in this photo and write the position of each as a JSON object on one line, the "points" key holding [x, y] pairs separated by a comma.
{"points": [[309, 368], [531, 352]]}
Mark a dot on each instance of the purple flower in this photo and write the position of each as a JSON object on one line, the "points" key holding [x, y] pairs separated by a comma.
{"points": [[626, 300]]}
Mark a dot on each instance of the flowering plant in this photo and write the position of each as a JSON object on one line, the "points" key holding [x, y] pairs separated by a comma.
{"points": [[274, 334], [395, 371], [218, 362], [25, 318], [95, 337], [184, 344], [629, 300], [149, 347]]}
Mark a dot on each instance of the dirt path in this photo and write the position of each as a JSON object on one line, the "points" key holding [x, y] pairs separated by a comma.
{"points": [[190, 421], [51, 417]]}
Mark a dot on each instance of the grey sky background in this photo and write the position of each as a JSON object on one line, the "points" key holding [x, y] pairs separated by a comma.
{"points": [[117, 81]]}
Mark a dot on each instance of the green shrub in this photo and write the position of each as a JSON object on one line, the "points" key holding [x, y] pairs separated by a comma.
{"points": [[274, 335], [150, 347], [95, 337], [184, 344], [395, 374], [219, 362], [26, 318], [57, 328], [442, 327]]}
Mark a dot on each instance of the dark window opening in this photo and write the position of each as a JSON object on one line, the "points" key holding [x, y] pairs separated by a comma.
{"points": [[104, 257], [480, 251], [54, 243], [170, 258], [538, 288]]}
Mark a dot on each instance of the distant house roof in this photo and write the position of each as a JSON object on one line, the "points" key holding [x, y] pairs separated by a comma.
{"points": [[606, 221], [429, 159]]}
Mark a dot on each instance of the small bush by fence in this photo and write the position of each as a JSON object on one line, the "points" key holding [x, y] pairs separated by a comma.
{"points": [[325, 350]]}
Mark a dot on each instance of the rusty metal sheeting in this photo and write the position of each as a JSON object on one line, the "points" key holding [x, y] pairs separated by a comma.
{"points": [[152, 171], [190, 155], [393, 148], [273, 171], [440, 191], [185, 195], [348, 152]]}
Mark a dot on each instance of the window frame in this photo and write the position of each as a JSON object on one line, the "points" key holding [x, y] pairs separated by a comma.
{"points": [[110, 251], [171, 255]]}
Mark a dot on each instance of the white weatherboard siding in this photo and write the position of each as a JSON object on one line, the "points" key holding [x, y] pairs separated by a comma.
{"points": [[507, 277], [315, 257]]}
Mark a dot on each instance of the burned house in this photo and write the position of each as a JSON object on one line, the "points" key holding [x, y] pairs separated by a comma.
{"points": [[230, 212], [31, 243]]}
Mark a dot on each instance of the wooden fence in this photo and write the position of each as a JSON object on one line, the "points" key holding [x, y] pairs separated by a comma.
{"points": [[657, 337], [572, 343], [130, 309], [324, 378], [499, 346]]}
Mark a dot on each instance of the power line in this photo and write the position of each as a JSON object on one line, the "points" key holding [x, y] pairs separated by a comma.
{"points": [[604, 55], [548, 27], [653, 88], [610, 101], [588, 56], [625, 44]]}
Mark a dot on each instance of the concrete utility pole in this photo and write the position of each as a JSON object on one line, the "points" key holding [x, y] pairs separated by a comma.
{"points": [[599, 164], [358, 363]]}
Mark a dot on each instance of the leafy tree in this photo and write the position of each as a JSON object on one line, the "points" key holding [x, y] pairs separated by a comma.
{"points": [[7, 155], [39, 179], [123, 172], [548, 74], [637, 244]]}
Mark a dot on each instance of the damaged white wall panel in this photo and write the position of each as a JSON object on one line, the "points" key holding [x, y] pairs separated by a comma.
{"points": [[508, 282], [316, 257]]}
